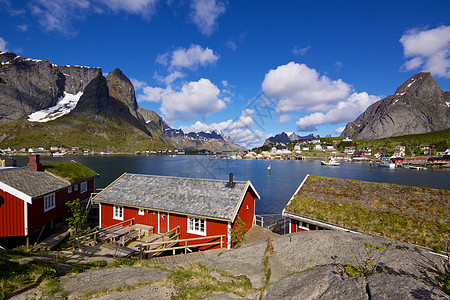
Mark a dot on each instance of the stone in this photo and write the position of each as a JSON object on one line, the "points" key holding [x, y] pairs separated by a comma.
{"points": [[77, 285], [144, 293]]}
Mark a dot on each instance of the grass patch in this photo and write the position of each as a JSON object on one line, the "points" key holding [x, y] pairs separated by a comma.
{"points": [[410, 214], [69, 170], [196, 282], [98, 134]]}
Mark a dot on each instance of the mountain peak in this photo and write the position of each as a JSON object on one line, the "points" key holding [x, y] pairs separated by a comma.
{"points": [[418, 106]]}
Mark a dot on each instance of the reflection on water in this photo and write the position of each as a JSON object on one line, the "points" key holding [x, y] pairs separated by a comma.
{"points": [[275, 189]]}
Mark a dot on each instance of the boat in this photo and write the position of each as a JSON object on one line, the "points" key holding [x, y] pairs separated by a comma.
{"points": [[330, 162], [386, 164]]}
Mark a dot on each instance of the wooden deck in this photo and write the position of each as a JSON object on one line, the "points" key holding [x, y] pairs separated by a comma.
{"points": [[51, 241], [186, 257]]}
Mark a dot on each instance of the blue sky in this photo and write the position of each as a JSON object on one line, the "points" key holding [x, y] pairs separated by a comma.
{"points": [[248, 68]]}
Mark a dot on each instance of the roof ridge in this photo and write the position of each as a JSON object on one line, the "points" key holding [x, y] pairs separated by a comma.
{"points": [[187, 178]]}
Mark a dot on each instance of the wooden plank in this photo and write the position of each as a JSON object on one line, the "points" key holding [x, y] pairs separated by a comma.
{"points": [[51, 241]]}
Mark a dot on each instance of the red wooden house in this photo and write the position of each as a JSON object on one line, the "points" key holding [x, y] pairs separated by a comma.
{"points": [[30, 197], [200, 207]]}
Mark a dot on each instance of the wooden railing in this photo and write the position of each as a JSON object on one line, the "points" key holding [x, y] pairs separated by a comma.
{"points": [[102, 231], [161, 246], [258, 219]]}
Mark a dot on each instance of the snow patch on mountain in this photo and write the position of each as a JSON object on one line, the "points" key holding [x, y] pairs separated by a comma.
{"points": [[64, 106]]}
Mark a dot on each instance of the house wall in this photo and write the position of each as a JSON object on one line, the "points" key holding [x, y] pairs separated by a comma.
{"points": [[296, 226], [163, 221], [247, 210], [155, 219], [38, 218], [11, 215]]}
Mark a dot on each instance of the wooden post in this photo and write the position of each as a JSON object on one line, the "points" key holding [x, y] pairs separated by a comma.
{"points": [[221, 243]]}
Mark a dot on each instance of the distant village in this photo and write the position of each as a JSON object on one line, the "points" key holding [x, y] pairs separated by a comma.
{"points": [[345, 149]]}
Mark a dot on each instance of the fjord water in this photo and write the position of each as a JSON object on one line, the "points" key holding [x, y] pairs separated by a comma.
{"points": [[275, 189]]}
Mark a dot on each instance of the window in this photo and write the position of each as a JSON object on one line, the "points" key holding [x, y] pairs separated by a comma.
{"points": [[83, 187], [196, 226], [49, 202], [118, 213], [141, 212], [69, 190], [75, 187]]}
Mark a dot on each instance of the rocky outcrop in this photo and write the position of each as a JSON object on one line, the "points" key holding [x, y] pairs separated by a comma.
{"points": [[121, 89], [31, 85], [304, 265], [418, 106]]}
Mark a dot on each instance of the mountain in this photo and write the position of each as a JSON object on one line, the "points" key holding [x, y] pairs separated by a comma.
{"points": [[32, 85], [287, 137], [43, 104], [418, 106], [208, 140]]}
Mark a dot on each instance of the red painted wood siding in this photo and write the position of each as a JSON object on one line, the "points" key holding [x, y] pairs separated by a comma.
{"points": [[247, 210], [150, 218], [11, 215], [38, 218]]}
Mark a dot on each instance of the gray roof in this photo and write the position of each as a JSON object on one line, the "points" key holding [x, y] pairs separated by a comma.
{"points": [[31, 182], [200, 197]]}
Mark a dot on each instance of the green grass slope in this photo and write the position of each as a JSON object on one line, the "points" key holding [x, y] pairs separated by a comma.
{"points": [[95, 134]]}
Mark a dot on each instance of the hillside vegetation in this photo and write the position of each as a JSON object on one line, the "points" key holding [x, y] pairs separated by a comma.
{"points": [[95, 134]]}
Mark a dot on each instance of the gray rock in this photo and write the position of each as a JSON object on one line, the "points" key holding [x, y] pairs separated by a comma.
{"points": [[247, 260], [144, 293], [31, 85], [77, 285], [382, 286], [324, 282], [418, 106]]}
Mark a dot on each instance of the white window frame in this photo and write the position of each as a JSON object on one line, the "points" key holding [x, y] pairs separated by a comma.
{"points": [[75, 187], [49, 202], [83, 187], [141, 211], [69, 190], [118, 212], [196, 226]]}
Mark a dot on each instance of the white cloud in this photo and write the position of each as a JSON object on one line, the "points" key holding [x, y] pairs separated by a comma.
{"points": [[23, 27], [338, 131], [3, 44], [204, 14], [300, 51], [188, 58], [346, 110], [284, 118], [299, 87], [58, 15], [193, 99], [224, 83], [144, 8], [137, 83], [151, 94], [232, 45], [338, 65], [240, 129], [429, 49]]}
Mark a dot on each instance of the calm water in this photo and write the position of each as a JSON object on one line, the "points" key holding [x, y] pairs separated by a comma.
{"points": [[275, 189]]}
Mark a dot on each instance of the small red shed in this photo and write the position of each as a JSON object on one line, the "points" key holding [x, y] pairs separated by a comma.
{"points": [[200, 207], [32, 196]]}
